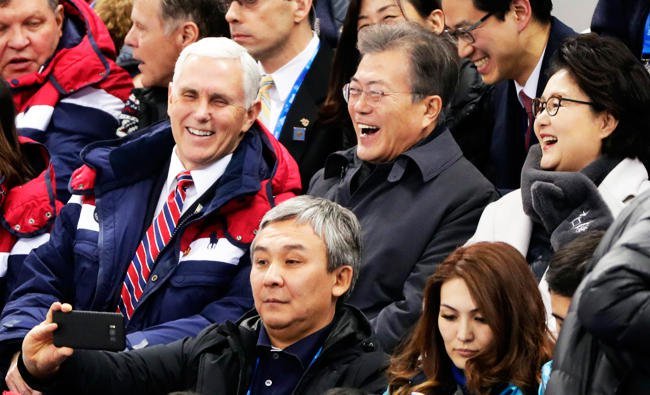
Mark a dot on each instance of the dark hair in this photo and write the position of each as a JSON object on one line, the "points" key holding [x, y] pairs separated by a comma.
{"points": [[346, 60], [423, 7], [611, 76], [205, 13], [432, 63], [568, 264], [347, 57], [541, 8], [505, 290], [13, 167]]}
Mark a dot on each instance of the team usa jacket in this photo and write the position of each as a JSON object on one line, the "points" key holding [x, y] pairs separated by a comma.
{"points": [[75, 98], [27, 212], [200, 277]]}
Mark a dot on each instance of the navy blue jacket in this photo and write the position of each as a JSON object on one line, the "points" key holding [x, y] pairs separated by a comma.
{"points": [[623, 19], [201, 279], [507, 153]]}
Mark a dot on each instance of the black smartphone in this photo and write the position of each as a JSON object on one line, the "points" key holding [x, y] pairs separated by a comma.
{"points": [[90, 330]]}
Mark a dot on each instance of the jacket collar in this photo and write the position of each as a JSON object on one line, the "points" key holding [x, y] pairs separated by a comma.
{"points": [[29, 209], [431, 157], [627, 180], [348, 322], [84, 37], [113, 160]]}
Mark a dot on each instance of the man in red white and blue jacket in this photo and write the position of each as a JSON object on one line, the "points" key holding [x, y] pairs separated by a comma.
{"points": [[58, 58], [201, 274], [27, 213]]}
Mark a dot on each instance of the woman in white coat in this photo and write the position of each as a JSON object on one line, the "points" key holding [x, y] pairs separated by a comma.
{"points": [[593, 127]]}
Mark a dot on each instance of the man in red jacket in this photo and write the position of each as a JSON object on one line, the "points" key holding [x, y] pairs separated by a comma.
{"points": [[58, 59]]}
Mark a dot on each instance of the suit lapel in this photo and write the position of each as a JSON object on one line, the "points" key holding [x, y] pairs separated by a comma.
{"points": [[305, 106]]}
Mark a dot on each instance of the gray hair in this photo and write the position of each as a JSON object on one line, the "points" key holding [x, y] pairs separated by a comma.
{"points": [[335, 224], [433, 61], [224, 48]]}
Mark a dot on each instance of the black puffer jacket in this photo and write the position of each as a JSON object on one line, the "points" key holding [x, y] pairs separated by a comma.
{"points": [[470, 116], [220, 361], [603, 347]]}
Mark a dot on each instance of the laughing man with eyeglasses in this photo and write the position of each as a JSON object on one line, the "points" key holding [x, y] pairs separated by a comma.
{"points": [[417, 197], [511, 43]]}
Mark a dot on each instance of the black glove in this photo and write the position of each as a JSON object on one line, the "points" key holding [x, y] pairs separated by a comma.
{"points": [[565, 203]]}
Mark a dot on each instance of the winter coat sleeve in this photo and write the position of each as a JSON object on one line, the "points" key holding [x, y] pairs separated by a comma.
{"points": [[45, 277], [76, 122], [615, 305], [155, 370], [396, 319]]}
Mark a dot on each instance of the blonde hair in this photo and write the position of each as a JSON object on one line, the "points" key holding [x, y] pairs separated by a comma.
{"points": [[116, 15]]}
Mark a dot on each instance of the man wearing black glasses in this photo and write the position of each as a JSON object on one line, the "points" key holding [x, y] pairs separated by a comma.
{"points": [[511, 43], [417, 197]]}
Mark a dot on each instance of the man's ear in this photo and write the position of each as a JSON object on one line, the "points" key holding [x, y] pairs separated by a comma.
{"points": [[251, 115], [170, 88], [58, 18], [436, 21], [189, 33], [301, 10], [342, 280], [432, 109], [522, 13]]}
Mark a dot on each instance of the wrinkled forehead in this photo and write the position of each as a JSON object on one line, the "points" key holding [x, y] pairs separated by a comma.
{"points": [[30, 5], [198, 66], [223, 77]]}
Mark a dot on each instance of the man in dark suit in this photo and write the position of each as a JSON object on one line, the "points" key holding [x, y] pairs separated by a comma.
{"points": [[296, 67], [511, 43]]}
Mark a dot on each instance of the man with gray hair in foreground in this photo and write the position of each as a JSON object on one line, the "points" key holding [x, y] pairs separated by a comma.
{"points": [[160, 222], [301, 339]]}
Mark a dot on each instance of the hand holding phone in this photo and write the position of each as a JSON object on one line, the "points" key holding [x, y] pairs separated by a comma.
{"points": [[89, 330]]}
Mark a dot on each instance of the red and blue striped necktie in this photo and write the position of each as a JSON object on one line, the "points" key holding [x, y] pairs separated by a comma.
{"points": [[155, 239]]}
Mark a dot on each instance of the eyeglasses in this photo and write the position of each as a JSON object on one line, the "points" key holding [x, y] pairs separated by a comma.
{"points": [[224, 5], [465, 34], [352, 94], [553, 104]]}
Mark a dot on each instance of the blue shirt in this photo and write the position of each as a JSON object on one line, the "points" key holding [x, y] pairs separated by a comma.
{"points": [[278, 371]]}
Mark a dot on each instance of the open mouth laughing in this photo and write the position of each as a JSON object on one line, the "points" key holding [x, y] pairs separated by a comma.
{"points": [[367, 129], [547, 140]]}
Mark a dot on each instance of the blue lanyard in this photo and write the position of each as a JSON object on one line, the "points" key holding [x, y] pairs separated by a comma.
{"points": [[292, 95], [257, 363]]}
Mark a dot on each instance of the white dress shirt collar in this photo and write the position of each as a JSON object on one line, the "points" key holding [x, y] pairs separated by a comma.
{"points": [[203, 179], [530, 88], [284, 78]]}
